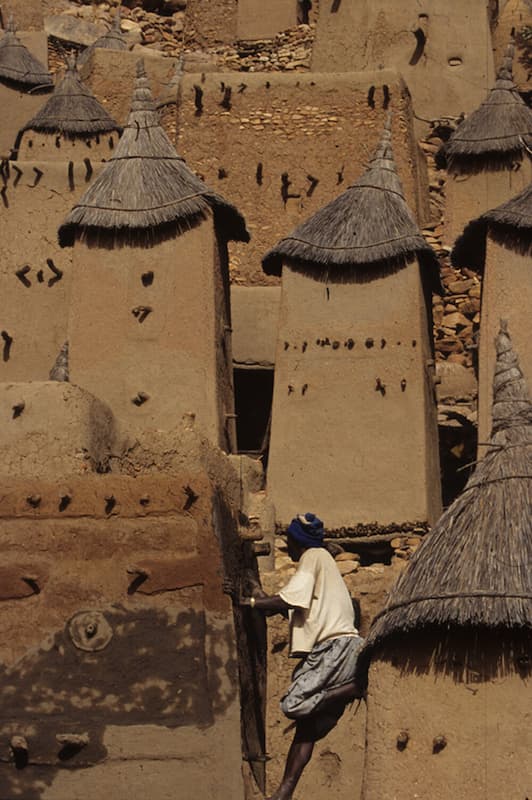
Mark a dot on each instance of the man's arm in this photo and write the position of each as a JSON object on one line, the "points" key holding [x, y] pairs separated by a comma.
{"points": [[272, 603]]}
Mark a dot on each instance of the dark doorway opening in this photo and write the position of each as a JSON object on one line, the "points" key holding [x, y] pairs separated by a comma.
{"points": [[458, 448], [253, 406]]}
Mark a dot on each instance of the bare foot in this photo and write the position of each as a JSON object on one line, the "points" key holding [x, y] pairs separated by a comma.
{"points": [[282, 793]]}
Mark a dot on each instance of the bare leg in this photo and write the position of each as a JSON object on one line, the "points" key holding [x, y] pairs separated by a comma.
{"points": [[298, 757], [349, 691]]}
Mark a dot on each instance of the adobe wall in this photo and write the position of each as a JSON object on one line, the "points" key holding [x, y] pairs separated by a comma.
{"points": [[316, 130], [52, 429], [255, 315], [115, 628], [209, 23], [506, 294], [516, 14], [352, 367], [34, 309], [57, 147], [439, 726], [469, 196], [110, 75], [258, 20], [28, 16], [18, 106], [456, 58], [145, 331]]}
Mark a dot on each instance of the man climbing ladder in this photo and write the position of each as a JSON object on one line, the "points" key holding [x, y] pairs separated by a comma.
{"points": [[323, 634]]}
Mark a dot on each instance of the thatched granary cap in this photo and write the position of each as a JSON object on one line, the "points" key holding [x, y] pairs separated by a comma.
{"points": [[510, 223], [473, 570], [369, 225], [72, 109], [113, 39], [17, 64], [146, 185], [499, 130]]}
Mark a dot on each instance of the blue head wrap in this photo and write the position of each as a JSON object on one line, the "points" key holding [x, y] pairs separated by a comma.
{"points": [[307, 530]]}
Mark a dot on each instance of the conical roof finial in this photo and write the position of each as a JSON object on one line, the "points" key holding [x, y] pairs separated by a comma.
{"points": [[142, 97], [505, 71], [117, 20], [511, 403], [384, 148], [71, 62]]}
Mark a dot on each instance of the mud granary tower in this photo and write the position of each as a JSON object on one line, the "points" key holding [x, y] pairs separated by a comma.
{"points": [[454, 637], [354, 357], [147, 208], [488, 157]]}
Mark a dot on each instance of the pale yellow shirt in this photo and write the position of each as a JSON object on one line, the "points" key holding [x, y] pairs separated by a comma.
{"points": [[321, 605]]}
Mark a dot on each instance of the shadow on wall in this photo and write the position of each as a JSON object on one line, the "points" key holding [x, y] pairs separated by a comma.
{"points": [[117, 668]]}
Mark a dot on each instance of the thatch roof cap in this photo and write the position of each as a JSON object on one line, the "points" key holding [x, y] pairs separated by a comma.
{"points": [[369, 225], [17, 64], [72, 109], [500, 127], [113, 39], [509, 223], [473, 569], [146, 185]]}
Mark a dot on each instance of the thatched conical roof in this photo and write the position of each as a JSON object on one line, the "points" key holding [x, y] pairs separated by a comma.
{"points": [[499, 131], [72, 109], [368, 226], [113, 39], [17, 64], [146, 186], [474, 568], [510, 223]]}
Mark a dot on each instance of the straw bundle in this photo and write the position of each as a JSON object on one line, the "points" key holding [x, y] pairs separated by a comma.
{"points": [[510, 224], [146, 188], [474, 569], [17, 64], [368, 227], [113, 39], [72, 109], [497, 133]]}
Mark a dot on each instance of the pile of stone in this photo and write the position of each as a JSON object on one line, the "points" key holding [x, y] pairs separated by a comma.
{"points": [[287, 52], [164, 27], [457, 313], [457, 316]]}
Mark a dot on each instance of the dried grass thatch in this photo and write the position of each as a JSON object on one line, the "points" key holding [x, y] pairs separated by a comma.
{"points": [[497, 133], [18, 65], [146, 188], [475, 569], [367, 228], [510, 224], [72, 109], [113, 39]]}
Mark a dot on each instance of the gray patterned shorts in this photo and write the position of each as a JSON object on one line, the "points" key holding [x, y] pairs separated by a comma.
{"points": [[328, 665]]}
